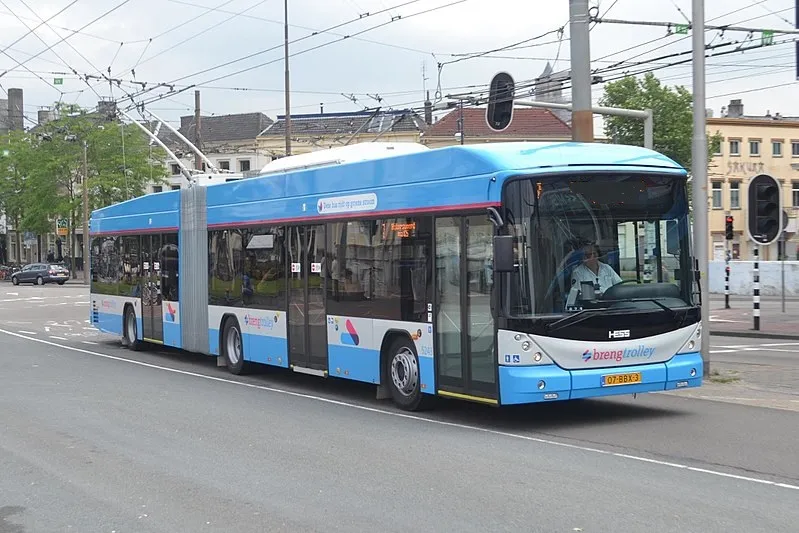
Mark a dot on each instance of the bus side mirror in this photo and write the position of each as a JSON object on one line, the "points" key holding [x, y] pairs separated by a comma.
{"points": [[503, 253]]}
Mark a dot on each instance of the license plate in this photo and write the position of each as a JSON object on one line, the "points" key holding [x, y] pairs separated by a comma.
{"points": [[621, 379]]}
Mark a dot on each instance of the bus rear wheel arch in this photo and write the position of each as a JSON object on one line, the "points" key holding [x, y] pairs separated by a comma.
{"points": [[231, 346], [401, 372]]}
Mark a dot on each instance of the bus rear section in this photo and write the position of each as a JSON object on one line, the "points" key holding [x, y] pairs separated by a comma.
{"points": [[598, 295]]}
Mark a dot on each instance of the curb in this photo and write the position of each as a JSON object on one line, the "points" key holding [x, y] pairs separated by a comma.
{"points": [[754, 335]]}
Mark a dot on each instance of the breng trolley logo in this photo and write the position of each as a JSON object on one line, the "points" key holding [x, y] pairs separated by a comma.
{"points": [[639, 352], [259, 322]]}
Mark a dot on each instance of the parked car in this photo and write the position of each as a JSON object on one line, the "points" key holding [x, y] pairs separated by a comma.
{"points": [[41, 273]]}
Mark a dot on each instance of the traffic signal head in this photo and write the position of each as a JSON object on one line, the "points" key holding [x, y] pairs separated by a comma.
{"points": [[500, 101], [728, 227], [765, 209]]}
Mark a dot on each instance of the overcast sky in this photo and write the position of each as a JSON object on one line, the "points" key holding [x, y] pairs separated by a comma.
{"points": [[174, 40]]}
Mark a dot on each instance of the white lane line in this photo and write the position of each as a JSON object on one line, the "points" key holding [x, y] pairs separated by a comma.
{"points": [[89, 342], [59, 338], [723, 351], [408, 416], [28, 332]]}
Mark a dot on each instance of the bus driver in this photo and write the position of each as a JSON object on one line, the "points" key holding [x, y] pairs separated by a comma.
{"points": [[594, 271]]}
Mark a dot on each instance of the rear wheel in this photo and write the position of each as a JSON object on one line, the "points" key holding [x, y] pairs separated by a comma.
{"points": [[233, 347], [130, 330], [39, 280]]}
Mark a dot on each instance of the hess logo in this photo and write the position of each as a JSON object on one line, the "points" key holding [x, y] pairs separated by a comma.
{"points": [[619, 334]]}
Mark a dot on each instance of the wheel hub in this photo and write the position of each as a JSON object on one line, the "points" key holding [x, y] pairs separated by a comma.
{"points": [[405, 372]]}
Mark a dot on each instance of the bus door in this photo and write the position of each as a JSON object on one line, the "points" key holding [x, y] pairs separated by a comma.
{"points": [[152, 319], [307, 328], [464, 322]]}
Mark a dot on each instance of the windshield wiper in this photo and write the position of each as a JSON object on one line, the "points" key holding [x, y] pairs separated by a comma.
{"points": [[570, 320], [671, 312]]}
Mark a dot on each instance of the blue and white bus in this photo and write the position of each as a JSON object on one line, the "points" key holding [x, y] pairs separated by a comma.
{"points": [[505, 273]]}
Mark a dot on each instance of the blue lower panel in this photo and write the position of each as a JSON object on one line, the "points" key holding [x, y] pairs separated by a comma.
{"points": [[427, 374], [679, 370], [172, 334], [266, 350], [109, 323], [213, 341], [348, 362], [519, 384]]}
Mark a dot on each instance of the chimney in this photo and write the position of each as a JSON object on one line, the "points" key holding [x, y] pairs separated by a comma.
{"points": [[428, 110], [321, 108], [736, 109], [15, 110], [45, 116], [3, 117]]}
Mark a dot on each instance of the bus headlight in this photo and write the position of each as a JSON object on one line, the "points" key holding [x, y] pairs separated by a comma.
{"points": [[526, 346], [537, 357], [542, 384], [691, 345]]}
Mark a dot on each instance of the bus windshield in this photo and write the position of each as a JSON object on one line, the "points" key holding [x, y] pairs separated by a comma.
{"points": [[598, 241]]}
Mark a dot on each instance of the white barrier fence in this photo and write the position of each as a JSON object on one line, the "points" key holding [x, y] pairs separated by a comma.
{"points": [[741, 278]]}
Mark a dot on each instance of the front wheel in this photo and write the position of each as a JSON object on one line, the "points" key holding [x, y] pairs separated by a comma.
{"points": [[404, 379], [15, 280]]}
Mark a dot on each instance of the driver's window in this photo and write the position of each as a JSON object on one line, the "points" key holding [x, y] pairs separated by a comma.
{"points": [[26, 268]]}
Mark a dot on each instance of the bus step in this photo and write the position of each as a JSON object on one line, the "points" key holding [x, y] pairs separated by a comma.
{"points": [[311, 371]]}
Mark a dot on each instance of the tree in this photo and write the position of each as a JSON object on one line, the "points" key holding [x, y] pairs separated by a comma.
{"points": [[672, 111], [49, 160]]}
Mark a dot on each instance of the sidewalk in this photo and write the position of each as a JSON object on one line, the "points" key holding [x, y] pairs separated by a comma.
{"points": [[738, 321]]}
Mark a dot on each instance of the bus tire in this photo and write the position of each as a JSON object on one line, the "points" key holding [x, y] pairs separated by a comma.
{"points": [[232, 347], [403, 376], [130, 330]]}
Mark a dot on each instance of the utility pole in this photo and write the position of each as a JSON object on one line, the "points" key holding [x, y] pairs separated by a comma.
{"points": [[699, 175], [582, 117], [286, 61], [86, 245], [198, 160]]}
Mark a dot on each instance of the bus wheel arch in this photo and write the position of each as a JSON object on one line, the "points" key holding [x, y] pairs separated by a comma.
{"points": [[400, 372], [130, 328], [231, 344]]}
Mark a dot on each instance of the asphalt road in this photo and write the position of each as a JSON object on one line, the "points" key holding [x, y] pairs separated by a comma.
{"points": [[96, 438]]}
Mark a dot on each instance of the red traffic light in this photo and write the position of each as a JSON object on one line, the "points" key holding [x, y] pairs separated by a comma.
{"points": [[729, 219]]}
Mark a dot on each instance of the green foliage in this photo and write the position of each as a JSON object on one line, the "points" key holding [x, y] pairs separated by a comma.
{"points": [[44, 168], [672, 111]]}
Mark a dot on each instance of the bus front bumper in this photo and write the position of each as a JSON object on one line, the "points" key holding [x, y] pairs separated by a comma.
{"points": [[544, 383]]}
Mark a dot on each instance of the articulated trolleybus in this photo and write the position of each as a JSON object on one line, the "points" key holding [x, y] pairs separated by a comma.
{"points": [[504, 273]]}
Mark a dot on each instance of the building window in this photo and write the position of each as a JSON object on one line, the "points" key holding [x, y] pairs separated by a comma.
{"points": [[157, 188], [795, 193], [776, 148], [176, 187], [244, 165], [716, 195], [754, 148], [716, 146], [795, 148], [735, 147], [735, 195], [224, 165], [175, 169]]}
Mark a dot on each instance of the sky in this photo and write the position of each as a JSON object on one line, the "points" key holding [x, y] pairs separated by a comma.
{"points": [[396, 50]]}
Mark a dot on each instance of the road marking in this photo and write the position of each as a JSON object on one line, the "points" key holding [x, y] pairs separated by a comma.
{"points": [[723, 351], [59, 338], [407, 416], [28, 332], [89, 342]]}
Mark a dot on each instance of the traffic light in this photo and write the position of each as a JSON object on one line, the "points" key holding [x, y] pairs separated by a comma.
{"points": [[765, 209], [728, 227], [499, 112]]}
